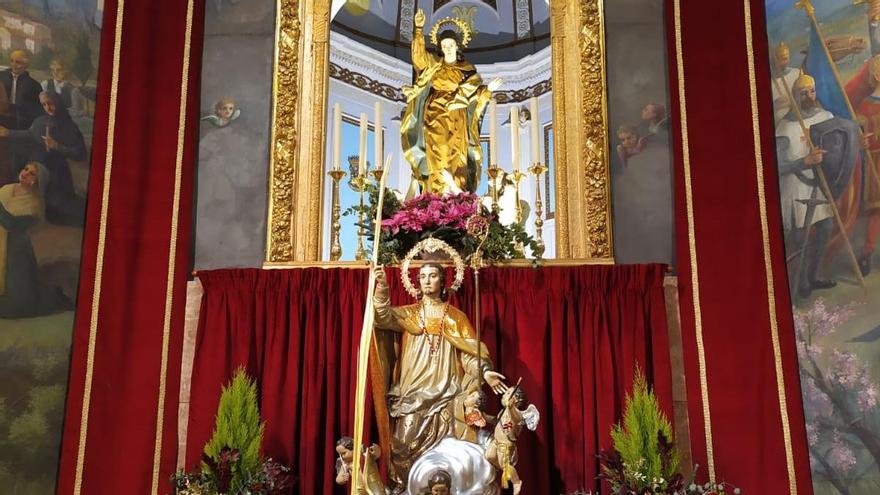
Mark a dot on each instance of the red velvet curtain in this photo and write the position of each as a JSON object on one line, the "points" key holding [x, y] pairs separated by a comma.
{"points": [[120, 426], [735, 308], [574, 335]]}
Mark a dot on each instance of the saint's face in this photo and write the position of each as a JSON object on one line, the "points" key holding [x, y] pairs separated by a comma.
{"points": [[19, 63], [439, 490], [449, 47], [808, 95], [782, 61], [28, 175], [48, 104], [628, 140], [59, 72], [429, 280]]}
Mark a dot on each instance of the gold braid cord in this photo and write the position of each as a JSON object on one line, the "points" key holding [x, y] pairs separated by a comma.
{"points": [[431, 245]]}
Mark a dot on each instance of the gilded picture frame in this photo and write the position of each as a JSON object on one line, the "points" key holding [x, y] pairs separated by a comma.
{"points": [[300, 83]]}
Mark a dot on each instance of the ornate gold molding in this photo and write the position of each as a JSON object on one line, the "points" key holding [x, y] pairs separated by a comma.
{"points": [[282, 160], [302, 68], [594, 148]]}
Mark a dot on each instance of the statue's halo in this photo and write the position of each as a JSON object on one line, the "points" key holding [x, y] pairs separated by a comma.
{"points": [[431, 245], [461, 26]]}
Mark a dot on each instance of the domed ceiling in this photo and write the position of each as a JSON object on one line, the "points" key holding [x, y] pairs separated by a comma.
{"points": [[506, 30]]}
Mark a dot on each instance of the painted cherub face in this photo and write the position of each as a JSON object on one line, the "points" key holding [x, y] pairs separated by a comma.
{"points": [[226, 110], [439, 490]]}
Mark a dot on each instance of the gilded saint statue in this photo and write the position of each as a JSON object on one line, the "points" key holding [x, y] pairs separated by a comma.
{"points": [[439, 364], [440, 132]]}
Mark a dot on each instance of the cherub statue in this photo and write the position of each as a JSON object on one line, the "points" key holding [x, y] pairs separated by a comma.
{"points": [[371, 482], [440, 484], [501, 451], [345, 449]]}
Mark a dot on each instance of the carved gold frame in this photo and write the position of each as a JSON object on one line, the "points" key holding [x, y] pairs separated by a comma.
{"points": [[296, 176]]}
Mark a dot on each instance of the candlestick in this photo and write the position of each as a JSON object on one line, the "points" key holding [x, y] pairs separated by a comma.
{"points": [[514, 136], [537, 169], [360, 182], [493, 172], [517, 176], [337, 128], [533, 109], [493, 132], [335, 226], [377, 136], [362, 149]]}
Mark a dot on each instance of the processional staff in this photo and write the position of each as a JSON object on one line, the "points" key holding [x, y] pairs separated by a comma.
{"points": [[366, 341]]}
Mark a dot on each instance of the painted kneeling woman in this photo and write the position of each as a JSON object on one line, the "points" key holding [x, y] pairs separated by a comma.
{"points": [[21, 208]]}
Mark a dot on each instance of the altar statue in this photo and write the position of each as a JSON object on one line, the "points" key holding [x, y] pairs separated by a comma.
{"points": [[440, 132], [439, 364]]}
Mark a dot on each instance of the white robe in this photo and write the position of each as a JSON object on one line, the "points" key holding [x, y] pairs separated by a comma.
{"points": [[781, 104], [791, 188]]}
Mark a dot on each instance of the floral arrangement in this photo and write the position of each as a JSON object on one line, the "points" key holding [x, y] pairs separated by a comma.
{"points": [[644, 460], [452, 218], [232, 463]]}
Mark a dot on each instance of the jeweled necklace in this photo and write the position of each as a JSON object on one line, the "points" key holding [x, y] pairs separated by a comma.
{"points": [[433, 340]]}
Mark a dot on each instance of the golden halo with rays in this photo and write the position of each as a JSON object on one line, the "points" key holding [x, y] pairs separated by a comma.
{"points": [[431, 245], [463, 28]]}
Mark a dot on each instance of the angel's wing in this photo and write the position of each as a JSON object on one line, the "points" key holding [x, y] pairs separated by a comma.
{"points": [[212, 119], [531, 416]]}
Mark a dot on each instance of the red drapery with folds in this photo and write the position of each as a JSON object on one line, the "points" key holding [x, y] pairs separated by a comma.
{"points": [[574, 335], [735, 309], [120, 426]]}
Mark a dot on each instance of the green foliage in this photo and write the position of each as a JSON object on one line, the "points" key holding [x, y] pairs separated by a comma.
{"points": [[644, 439], [238, 426]]}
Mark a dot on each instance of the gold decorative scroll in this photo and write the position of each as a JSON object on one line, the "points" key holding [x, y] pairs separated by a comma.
{"points": [[582, 211]]}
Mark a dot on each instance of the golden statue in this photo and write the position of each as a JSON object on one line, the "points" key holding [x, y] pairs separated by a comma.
{"points": [[439, 364], [440, 132]]}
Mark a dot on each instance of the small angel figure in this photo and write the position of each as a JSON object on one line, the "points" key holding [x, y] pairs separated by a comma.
{"points": [[225, 111], [440, 484], [345, 450], [371, 482], [501, 451]]}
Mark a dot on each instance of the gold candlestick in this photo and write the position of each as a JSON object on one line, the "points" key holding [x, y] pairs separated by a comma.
{"points": [[377, 174], [537, 169], [360, 183], [493, 172], [517, 177], [335, 246]]}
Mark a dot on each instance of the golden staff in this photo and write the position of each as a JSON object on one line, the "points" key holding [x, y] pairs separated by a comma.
{"points": [[807, 7], [823, 183], [366, 342]]}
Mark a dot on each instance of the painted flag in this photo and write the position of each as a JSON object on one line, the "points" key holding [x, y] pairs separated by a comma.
{"points": [[828, 91]]}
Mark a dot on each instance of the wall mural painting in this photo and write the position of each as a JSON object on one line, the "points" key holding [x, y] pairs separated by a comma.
{"points": [[640, 154], [825, 73], [234, 134], [48, 71]]}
